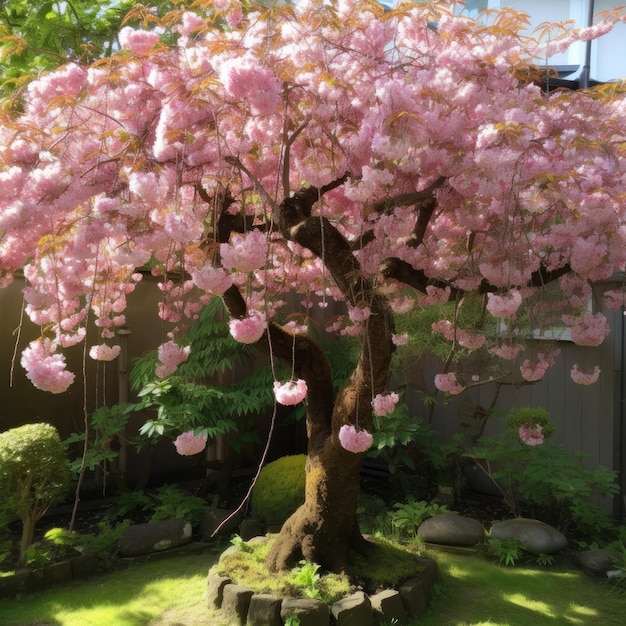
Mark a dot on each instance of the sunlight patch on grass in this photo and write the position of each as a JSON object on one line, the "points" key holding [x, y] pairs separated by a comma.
{"points": [[458, 572], [532, 605]]}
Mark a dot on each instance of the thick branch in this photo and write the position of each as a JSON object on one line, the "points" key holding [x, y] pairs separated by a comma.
{"points": [[409, 198]]}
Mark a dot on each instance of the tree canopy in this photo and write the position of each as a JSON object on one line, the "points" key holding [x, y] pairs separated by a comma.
{"points": [[386, 159]]}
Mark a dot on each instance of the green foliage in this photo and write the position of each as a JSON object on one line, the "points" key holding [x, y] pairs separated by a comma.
{"points": [[408, 516], [240, 544], [34, 475], [166, 502], [170, 502], [507, 551], [528, 417], [550, 481], [545, 560], [279, 489], [306, 577]]}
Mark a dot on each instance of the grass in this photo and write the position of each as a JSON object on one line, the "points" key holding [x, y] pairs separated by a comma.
{"points": [[471, 591]]}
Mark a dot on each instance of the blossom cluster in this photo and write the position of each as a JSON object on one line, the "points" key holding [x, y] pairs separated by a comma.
{"points": [[290, 393], [188, 443], [531, 435], [354, 440]]}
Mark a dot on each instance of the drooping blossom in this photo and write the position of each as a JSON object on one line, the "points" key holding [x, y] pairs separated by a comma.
{"points": [[533, 371], [171, 356], [244, 253], [584, 378], [359, 314], [247, 330], [214, 280], [188, 444], [448, 383], [384, 403], [290, 393], [44, 368], [507, 351], [591, 330], [103, 352], [531, 435], [505, 305], [139, 41], [354, 440]]}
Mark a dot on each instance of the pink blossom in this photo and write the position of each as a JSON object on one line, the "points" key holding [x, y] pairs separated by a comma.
{"points": [[103, 352], [533, 370], [400, 340], [504, 306], [249, 329], [45, 369], [245, 253], [291, 392], [448, 383], [188, 444], [507, 351], [591, 330], [584, 378], [213, 280], [384, 404], [353, 440], [359, 314], [531, 435], [171, 356], [139, 41]]}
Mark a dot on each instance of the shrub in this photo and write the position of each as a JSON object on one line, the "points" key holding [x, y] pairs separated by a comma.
{"points": [[528, 417], [279, 490], [34, 475]]}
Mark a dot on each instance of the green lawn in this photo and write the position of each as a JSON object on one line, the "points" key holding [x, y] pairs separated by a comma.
{"points": [[471, 591]]}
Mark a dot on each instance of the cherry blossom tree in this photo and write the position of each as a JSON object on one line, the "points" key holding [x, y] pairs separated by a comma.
{"points": [[386, 160]]}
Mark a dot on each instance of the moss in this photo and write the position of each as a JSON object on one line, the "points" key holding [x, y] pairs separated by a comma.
{"points": [[385, 565], [279, 490]]}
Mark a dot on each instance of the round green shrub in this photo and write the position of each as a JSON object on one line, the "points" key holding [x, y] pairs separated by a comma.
{"points": [[34, 474], [529, 416], [279, 490]]}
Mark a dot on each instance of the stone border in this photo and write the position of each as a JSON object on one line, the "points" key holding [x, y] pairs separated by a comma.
{"points": [[241, 606]]}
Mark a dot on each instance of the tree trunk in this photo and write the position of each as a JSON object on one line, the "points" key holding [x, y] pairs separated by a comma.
{"points": [[28, 533], [325, 528]]}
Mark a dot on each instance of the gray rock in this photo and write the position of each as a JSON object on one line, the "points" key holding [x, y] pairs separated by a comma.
{"points": [[249, 528], [414, 597], [235, 604], [536, 537], [597, 562], [451, 529], [215, 589], [309, 612], [213, 519], [264, 610], [145, 538], [389, 608], [353, 609]]}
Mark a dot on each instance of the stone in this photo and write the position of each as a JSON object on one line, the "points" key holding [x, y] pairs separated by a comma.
{"points": [[215, 589], [140, 539], [414, 597], [250, 528], [429, 573], [264, 610], [308, 611], [388, 607], [451, 529], [235, 604], [55, 573], [353, 609], [597, 562], [213, 519], [85, 565], [536, 537]]}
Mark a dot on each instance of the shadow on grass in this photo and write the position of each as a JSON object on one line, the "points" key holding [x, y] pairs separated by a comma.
{"points": [[475, 591], [131, 597]]}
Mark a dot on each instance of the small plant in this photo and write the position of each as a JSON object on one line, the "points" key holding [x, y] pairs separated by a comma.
{"points": [[306, 576], [507, 551], [240, 544], [292, 620], [545, 560], [408, 516], [170, 502], [34, 475], [529, 417]]}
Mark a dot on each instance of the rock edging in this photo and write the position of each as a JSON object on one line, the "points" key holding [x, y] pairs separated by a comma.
{"points": [[241, 606]]}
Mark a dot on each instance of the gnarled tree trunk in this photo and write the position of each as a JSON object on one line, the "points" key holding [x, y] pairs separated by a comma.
{"points": [[325, 528]]}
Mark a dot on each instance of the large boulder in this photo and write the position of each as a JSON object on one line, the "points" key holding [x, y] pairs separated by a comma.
{"points": [[597, 562], [536, 537], [450, 529], [141, 539]]}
